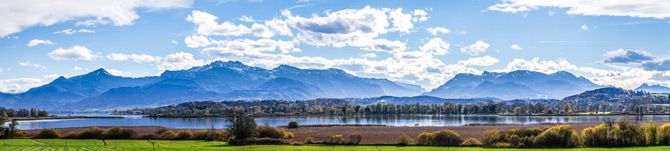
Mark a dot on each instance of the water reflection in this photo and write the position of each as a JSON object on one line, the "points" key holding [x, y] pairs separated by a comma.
{"points": [[392, 120]]}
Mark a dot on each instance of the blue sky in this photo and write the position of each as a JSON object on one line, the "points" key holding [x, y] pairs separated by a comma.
{"points": [[622, 43]]}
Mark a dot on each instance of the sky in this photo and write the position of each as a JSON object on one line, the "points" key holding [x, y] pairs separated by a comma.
{"points": [[623, 43]]}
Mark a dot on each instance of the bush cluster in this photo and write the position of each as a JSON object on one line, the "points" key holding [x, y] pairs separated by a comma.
{"points": [[557, 136], [626, 134], [444, 137], [271, 132]]}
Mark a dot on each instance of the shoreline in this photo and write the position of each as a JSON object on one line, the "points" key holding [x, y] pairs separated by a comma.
{"points": [[57, 118]]}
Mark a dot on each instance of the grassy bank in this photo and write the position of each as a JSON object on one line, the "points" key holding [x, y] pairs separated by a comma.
{"points": [[164, 145]]}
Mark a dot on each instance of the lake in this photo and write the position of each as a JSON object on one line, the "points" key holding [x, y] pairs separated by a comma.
{"points": [[392, 120]]}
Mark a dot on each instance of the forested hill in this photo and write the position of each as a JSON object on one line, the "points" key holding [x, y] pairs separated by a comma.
{"points": [[605, 94]]}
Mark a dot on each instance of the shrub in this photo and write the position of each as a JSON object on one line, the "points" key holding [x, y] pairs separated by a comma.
{"points": [[494, 136], [168, 135], [651, 131], [526, 132], [293, 124], [446, 138], [119, 133], [48, 133], [404, 140], [288, 134], [271, 132], [91, 133], [598, 136], [355, 138], [184, 135], [335, 139], [471, 142], [200, 135], [664, 135], [309, 140], [71, 135], [558, 136], [425, 138]]}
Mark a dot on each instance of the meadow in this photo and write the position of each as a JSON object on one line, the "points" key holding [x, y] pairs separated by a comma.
{"points": [[193, 145]]}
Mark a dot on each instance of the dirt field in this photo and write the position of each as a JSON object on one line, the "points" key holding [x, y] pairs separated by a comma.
{"points": [[371, 134]]}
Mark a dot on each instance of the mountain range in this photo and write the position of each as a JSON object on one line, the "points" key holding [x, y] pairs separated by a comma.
{"points": [[519, 84], [218, 80], [653, 88], [232, 80]]}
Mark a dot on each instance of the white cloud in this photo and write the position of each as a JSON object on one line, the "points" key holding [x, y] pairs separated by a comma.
{"points": [[76, 68], [36, 42], [246, 19], [71, 31], [438, 30], [27, 63], [74, 53], [174, 42], [420, 15], [20, 84], [479, 61], [134, 57], [207, 25], [627, 56], [516, 47], [352, 27], [476, 48], [369, 55], [18, 15], [585, 27], [435, 46], [197, 41], [633, 8], [118, 72], [179, 61]]}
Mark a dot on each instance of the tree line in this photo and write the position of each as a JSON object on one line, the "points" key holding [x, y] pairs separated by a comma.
{"points": [[650, 105]]}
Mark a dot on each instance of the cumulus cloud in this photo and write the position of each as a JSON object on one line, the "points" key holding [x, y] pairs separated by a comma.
{"points": [[516, 47], [627, 56], [19, 85], [437, 30], [479, 61], [74, 53], [207, 25], [134, 57], [436, 46], [246, 19], [76, 68], [36, 42], [657, 65], [352, 27], [476, 48], [72, 31], [179, 61], [196, 41], [633, 8], [420, 15], [18, 15]]}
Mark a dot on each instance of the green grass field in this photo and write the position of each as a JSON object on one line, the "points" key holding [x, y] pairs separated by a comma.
{"points": [[163, 145]]}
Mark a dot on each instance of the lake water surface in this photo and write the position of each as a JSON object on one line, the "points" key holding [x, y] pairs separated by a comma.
{"points": [[392, 120]]}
